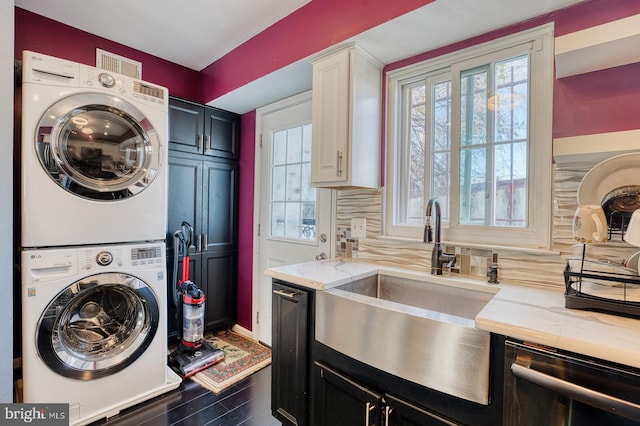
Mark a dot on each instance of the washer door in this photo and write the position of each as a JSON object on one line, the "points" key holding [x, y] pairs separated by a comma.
{"points": [[98, 146], [97, 326]]}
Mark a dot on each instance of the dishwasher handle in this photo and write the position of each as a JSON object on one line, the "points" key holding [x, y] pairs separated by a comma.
{"points": [[588, 396], [292, 295]]}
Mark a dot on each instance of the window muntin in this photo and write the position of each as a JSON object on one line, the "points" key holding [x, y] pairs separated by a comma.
{"points": [[499, 128]]}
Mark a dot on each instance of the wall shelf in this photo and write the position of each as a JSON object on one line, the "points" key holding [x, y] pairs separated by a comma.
{"points": [[594, 148], [604, 46]]}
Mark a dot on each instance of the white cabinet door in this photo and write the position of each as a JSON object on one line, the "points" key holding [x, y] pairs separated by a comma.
{"points": [[330, 148], [346, 120]]}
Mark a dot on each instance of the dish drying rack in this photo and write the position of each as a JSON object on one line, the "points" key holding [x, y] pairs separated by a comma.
{"points": [[575, 298]]}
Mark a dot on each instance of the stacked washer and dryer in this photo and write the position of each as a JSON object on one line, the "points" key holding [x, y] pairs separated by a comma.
{"points": [[94, 208]]}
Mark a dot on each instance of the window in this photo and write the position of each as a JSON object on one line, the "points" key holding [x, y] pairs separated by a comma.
{"points": [[473, 129], [293, 200]]}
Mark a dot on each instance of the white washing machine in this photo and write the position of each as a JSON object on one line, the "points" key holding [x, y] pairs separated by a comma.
{"points": [[94, 155], [94, 327]]}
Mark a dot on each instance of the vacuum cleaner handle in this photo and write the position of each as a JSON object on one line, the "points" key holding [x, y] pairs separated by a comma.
{"points": [[187, 232]]}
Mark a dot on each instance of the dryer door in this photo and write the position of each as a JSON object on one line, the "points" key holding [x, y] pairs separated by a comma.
{"points": [[98, 146], [98, 326]]}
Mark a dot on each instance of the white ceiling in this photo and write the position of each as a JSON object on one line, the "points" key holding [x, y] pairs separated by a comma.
{"points": [[193, 33], [197, 35]]}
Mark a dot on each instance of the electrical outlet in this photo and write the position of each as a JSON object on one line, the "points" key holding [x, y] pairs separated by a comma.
{"points": [[358, 227]]}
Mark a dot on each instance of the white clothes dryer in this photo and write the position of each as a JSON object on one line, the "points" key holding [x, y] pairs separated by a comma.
{"points": [[94, 155], [94, 328]]}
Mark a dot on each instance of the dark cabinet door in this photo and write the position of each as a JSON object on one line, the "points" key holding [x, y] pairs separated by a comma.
{"points": [[290, 354], [222, 132], [340, 401], [200, 129], [220, 190], [185, 195], [218, 280], [186, 126]]}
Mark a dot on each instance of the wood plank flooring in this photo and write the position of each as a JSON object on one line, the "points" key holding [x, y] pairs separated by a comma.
{"points": [[247, 403]]}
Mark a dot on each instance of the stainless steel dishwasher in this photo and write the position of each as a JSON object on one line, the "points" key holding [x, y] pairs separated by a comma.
{"points": [[546, 386]]}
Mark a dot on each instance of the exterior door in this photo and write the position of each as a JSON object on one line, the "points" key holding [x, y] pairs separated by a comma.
{"points": [[294, 218]]}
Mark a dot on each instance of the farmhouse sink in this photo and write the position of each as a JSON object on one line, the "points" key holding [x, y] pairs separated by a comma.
{"points": [[418, 330]]}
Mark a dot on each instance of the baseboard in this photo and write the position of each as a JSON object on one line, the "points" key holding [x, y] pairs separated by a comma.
{"points": [[243, 332]]}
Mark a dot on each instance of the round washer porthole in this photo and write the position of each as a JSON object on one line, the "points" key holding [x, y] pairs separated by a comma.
{"points": [[97, 326], [98, 146]]}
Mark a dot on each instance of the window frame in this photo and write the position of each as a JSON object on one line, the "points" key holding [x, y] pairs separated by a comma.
{"points": [[537, 234]]}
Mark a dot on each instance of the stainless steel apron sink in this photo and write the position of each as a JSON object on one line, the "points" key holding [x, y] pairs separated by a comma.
{"points": [[418, 330]]}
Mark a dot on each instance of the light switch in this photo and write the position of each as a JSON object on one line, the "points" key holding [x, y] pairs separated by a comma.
{"points": [[358, 227]]}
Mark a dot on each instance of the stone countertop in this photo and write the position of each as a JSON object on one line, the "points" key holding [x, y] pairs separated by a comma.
{"points": [[533, 314]]}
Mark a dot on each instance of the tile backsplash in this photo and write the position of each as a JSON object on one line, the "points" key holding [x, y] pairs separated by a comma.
{"points": [[346, 246], [531, 268]]}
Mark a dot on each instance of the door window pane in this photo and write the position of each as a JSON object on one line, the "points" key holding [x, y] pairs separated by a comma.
{"points": [[292, 198]]}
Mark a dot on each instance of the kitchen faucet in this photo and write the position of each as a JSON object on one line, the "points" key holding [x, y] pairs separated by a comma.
{"points": [[438, 258]]}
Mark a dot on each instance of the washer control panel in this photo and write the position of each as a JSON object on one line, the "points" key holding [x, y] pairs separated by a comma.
{"points": [[43, 265], [118, 257]]}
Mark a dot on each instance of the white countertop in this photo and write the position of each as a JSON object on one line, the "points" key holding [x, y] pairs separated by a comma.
{"points": [[527, 313]]}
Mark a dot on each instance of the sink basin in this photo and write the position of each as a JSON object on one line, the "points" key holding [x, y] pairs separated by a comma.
{"points": [[418, 330], [455, 301]]}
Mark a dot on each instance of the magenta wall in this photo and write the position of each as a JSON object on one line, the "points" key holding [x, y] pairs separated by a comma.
{"points": [[315, 26], [43, 35], [245, 219]]}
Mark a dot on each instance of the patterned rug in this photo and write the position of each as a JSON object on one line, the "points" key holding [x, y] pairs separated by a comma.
{"points": [[242, 357]]}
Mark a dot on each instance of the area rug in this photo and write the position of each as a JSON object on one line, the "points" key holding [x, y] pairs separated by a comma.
{"points": [[242, 357]]}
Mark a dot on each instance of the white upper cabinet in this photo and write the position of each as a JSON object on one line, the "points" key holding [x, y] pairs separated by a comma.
{"points": [[346, 109]]}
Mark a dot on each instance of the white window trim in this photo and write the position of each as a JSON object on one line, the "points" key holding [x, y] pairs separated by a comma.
{"points": [[538, 233]]}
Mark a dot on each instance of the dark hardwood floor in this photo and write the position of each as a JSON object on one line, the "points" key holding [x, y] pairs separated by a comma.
{"points": [[246, 403]]}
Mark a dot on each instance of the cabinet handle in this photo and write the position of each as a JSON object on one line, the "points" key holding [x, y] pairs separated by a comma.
{"points": [[199, 243], [205, 242], [288, 295], [339, 164], [368, 408], [200, 141], [207, 140], [387, 411]]}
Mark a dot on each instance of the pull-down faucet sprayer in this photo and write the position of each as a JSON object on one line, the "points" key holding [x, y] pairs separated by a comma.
{"points": [[438, 258]]}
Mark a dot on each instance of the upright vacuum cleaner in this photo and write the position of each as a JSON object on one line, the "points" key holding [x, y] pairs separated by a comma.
{"points": [[193, 353]]}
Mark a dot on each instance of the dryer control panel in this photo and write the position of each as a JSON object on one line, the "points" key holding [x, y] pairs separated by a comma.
{"points": [[44, 69]]}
